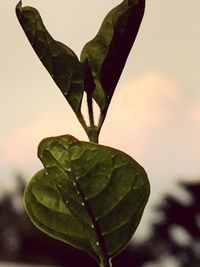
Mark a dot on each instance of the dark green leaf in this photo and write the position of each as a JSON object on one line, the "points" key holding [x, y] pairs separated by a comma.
{"points": [[108, 51], [59, 60], [88, 195], [49, 213]]}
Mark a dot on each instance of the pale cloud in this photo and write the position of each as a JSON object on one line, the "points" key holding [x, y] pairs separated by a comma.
{"points": [[21, 145], [153, 120], [150, 118], [139, 108], [157, 124]]}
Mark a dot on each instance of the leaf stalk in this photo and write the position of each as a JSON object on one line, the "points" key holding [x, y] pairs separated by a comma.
{"points": [[105, 263], [82, 121], [92, 130], [90, 110]]}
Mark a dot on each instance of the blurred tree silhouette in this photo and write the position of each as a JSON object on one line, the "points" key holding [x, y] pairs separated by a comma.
{"points": [[178, 233], [175, 235]]}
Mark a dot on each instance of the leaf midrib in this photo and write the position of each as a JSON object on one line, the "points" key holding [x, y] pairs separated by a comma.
{"points": [[97, 229]]}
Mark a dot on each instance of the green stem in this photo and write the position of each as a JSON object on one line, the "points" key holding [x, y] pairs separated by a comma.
{"points": [[93, 134], [105, 263], [92, 131], [82, 121], [101, 119], [90, 111]]}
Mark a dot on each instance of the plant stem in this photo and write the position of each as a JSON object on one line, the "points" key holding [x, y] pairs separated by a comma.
{"points": [[90, 110], [101, 119], [105, 263], [92, 131], [82, 121], [93, 134]]}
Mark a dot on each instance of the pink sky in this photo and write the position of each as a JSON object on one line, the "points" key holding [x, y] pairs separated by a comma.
{"points": [[150, 118]]}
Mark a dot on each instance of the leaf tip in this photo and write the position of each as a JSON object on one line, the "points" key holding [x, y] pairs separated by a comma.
{"points": [[18, 8]]}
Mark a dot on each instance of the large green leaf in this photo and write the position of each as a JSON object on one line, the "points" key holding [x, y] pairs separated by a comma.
{"points": [[106, 54], [90, 196], [59, 60]]}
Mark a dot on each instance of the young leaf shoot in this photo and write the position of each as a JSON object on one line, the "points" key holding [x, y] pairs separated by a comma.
{"points": [[88, 195]]}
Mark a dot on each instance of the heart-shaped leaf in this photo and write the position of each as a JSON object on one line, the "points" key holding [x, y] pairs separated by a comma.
{"points": [[106, 54], [59, 60], [90, 196]]}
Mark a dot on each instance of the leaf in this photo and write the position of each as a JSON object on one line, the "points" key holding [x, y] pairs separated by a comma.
{"points": [[106, 54], [59, 60], [90, 196], [45, 206]]}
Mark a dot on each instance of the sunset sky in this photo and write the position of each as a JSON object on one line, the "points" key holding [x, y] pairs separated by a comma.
{"points": [[155, 112]]}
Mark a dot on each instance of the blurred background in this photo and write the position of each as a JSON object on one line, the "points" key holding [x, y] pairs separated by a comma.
{"points": [[172, 237], [154, 116]]}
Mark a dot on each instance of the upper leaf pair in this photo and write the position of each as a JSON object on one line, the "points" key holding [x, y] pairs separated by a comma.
{"points": [[102, 59]]}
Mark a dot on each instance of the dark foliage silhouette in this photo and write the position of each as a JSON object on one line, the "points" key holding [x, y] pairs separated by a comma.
{"points": [[176, 234], [179, 231]]}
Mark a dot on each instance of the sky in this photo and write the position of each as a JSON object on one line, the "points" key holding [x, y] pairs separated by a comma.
{"points": [[155, 112]]}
